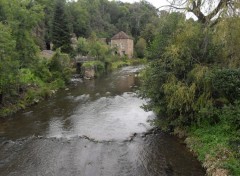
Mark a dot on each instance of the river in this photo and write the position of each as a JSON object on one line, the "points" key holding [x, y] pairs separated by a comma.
{"points": [[94, 128]]}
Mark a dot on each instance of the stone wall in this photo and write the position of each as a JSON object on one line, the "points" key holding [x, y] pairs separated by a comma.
{"points": [[124, 46], [89, 73]]}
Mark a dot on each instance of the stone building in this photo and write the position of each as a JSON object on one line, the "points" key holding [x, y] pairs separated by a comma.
{"points": [[123, 43]]}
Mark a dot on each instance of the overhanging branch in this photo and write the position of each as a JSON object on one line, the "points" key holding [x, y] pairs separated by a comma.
{"points": [[194, 6], [172, 6]]}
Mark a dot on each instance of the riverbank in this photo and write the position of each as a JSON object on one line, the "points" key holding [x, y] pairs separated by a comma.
{"points": [[92, 69], [35, 84], [127, 62], [32, 95], [210, 127], [214, 148], [38, 88]]}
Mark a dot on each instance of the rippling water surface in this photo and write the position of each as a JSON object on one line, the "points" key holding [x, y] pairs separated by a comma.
{"points": [[97, 127]]}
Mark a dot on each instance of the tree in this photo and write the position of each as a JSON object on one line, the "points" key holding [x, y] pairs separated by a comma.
{"points": [[197, 7], [98, 49], [79, 18], [140, 47], [167, 27], [23, 17], [174, 79], [229, 41], [82, 46], [61, 36], [140, 14], [46, 24], [8, 64]]}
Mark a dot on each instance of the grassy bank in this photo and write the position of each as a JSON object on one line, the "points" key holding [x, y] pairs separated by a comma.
{"points": [[214, 149], [217, 145], [211, 125], [194, 85], [31, 95], [127, 62], [111, 64]]}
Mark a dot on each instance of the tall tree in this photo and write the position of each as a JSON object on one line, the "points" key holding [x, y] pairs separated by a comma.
{"points": [[214, 9], [8, 66], [22, 17], [61, 36], [79, 18], [140, 47], [46, 24]]}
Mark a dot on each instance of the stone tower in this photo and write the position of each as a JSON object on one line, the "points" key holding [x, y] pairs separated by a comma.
{"points": [[123, 43]]}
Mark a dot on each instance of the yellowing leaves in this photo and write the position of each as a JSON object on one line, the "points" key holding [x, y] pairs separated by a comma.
{"points": [[179, 95]]}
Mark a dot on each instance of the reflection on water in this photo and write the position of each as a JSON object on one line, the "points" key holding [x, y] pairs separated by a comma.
{"points": [[94, 128]]}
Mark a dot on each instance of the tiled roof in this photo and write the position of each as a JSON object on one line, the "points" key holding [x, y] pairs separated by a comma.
{"points": [[121, 35]]}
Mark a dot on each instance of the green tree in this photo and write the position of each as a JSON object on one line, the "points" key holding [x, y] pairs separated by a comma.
{"points": [[165, 32], [207, 12], [8, 64], [23, 17], [182, 80], [140, 47], [46, 24], [99, 50], [229, 41], [82, 46], [61, 36], [60, 66], [79, 18], [140, 14], [173, 80]]}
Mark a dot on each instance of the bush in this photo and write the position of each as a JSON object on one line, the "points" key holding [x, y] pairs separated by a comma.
{"points": [[119, 64], [94, 64], [217, 145], [60, 66], [226, 83], [27, 77], [42, 71], [230, 116]]}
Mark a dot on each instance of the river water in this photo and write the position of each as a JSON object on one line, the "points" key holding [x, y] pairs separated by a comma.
{"points": [[94, 128]]}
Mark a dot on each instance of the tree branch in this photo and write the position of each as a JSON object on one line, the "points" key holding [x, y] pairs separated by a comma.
{"points": [[171, 6], [221, 4], [199, 3], [195, 8]]}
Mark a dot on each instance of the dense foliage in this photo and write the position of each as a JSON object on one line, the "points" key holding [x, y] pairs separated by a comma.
{"points": [[61, 37], [28, 26], [25, 77], [83, 18], [106, 18], [193, 82]]}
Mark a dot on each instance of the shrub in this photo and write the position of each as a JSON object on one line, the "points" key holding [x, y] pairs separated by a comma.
{"points": [[60, 66], [226, 83], [28, 77], [42, 71]]}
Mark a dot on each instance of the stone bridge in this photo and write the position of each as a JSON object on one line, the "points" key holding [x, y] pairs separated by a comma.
{"points": [[87, 73], [81, 59]]}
